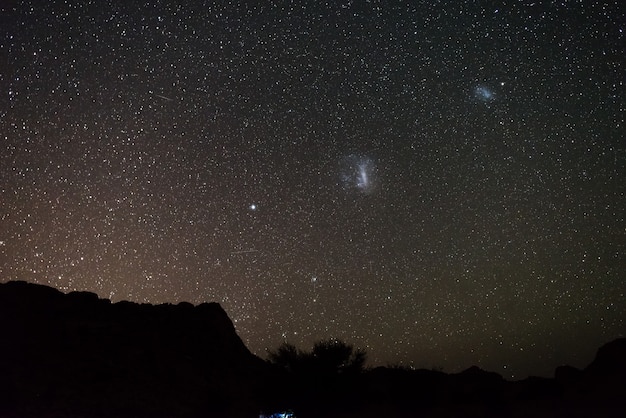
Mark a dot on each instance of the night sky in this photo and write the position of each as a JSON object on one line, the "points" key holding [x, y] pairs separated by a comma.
{"points": [[442, 184]]}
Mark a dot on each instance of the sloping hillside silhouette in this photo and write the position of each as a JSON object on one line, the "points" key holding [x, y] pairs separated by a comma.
{"points": [[76, 355]]}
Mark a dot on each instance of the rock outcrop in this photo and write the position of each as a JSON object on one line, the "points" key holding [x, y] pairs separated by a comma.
{"points": [[78, 355]]}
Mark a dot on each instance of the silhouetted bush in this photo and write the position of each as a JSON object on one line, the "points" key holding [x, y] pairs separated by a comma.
{"points": [[335, 356], [287, 356], [329, 374], [328, 357]]}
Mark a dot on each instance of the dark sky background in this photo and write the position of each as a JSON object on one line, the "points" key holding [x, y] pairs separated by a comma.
{"points": [[442, 183]]}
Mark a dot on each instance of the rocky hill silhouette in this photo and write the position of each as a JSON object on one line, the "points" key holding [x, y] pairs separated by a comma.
{"points": [[76, 355]]}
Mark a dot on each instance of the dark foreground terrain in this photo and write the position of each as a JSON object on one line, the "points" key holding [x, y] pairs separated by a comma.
{"points": [[75, 355]]}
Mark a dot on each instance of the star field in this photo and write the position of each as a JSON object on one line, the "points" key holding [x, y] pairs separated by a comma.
{"points": [[440, 184]]}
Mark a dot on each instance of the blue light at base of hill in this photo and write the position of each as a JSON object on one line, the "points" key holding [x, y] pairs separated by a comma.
{"points": [[278, 415]]}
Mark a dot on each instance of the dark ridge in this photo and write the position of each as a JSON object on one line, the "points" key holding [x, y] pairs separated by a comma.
{"points": [[76, 355]]}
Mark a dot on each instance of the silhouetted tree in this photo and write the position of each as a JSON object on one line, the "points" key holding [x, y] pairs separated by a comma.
{"points": [[335, 356], [287, 356], [328, 357]]}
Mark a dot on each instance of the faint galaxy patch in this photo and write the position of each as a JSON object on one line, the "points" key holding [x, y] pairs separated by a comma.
{"points": [[484, 94], [359, 173]]}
